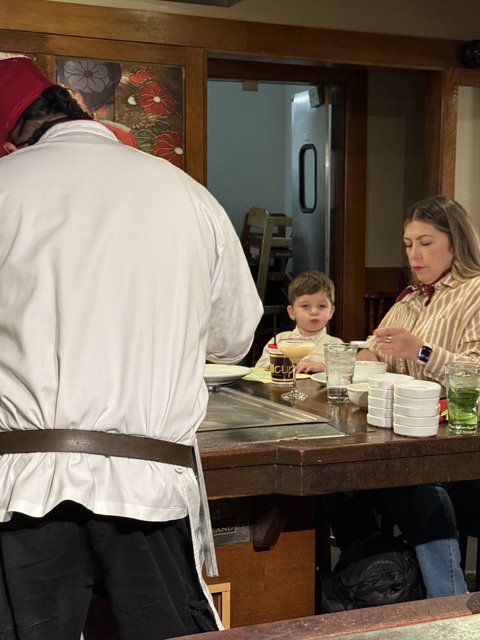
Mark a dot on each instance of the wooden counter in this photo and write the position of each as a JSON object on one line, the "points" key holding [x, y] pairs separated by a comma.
{"points": [[454, 617], [369, 457], [275, 574]]}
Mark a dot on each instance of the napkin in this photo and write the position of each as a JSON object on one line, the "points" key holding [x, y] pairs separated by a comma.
{"points": [[259, 374]]}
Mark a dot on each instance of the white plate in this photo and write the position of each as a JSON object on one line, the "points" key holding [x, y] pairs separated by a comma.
{"points": [[321, 378], [217, 374]]}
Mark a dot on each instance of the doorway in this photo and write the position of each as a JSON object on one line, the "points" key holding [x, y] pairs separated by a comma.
{"points": [[248, 134]]}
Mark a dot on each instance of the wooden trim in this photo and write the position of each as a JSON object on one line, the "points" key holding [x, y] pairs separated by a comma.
{"points": [[25, 42], [350, 274], [221, 597], [441, 132], [196, 114], [469, 77], [234, 36], [224, 68]]}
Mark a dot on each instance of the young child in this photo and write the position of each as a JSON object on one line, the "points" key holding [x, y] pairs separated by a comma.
{"points": [[311, 296]]}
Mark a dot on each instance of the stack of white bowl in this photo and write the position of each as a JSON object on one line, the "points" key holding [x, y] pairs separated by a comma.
{"points": [[380, 398], [416, 408]]}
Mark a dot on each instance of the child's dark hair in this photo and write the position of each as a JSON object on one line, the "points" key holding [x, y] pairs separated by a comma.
{"points": [[309, 282], [55, 100]]}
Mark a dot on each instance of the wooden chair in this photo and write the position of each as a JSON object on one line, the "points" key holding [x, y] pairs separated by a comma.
{"points": [[376, 306], [268, 249]]}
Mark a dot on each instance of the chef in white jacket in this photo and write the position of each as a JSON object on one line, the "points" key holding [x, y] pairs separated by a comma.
{"points": [[119, 276]]}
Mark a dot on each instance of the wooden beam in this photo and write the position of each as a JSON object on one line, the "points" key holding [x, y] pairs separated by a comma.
{"points": [[441, 132], [234, 36]]}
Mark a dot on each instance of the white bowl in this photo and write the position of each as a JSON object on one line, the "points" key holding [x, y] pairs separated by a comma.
{"points": [[418, 389], [387, 380], [404, 401], [384, 423], [417, 412], [386, 394], [378, 412], [408, 421], [365, 368], [380, 403], [360, 344], [415, 432], [358, 394]]}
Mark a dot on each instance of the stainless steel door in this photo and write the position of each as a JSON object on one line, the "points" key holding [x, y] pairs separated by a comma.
{"points": [[311, 190]]}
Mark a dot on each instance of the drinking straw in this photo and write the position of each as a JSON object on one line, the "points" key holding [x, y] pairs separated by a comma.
{"points": [[275, 330]]}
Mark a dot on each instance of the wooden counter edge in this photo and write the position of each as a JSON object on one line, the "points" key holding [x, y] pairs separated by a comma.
{"points": [[356, 621]]}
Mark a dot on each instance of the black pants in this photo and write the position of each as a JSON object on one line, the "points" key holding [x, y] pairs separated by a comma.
{"points": [[50, 568], [422, 512]]}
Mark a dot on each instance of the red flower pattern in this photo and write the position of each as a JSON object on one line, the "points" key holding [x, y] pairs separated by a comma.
{"points": [[156, 100], [141, 76], [169, 145]]}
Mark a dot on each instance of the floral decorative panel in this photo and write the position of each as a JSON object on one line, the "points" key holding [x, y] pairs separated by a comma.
{"points": [[143, 104]]}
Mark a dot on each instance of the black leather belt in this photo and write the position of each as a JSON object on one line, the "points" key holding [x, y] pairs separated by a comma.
{"points": [[118, 445]]}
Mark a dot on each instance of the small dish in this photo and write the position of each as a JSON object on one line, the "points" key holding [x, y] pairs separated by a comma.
{"points": [[387, 380], [415, 432], [404, 401], [408, 421], [379, 412], [365, 368], [360, 344], [358, 394], [380, 403], [386, 394], [384, 423], [418, 389], [321, 378], [417, 412]]}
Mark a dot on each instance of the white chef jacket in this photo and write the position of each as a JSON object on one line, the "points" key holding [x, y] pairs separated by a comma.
{"points": [[119, 276]]}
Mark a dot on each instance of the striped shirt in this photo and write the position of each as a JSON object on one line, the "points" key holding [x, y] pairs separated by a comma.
{"points": [[450, 324]]}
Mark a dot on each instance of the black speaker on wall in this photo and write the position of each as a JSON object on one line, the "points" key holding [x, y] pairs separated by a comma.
{"points": [[470, 54]]}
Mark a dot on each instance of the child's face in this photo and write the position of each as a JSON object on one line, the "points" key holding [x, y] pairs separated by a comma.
{"points": [[311, 312]]}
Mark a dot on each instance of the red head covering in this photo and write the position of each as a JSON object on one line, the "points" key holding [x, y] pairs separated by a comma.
{"points": [[21, 83]]}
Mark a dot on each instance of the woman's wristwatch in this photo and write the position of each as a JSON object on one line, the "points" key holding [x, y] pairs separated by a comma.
{"points": [[424, 354]]}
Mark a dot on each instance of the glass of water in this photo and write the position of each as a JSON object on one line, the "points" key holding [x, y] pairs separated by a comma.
{"points": [[340, 366]]}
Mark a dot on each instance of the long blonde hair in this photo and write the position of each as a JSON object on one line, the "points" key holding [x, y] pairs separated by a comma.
{"points": [[448, 216]]}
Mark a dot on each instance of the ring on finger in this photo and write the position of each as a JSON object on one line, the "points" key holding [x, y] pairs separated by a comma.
{"points": [[389, 339]]}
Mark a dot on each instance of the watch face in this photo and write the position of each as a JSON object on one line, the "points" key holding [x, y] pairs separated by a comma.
{"points": [[424, 353]]}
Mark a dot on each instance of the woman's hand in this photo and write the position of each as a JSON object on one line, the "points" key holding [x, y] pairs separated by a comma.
{"points": [[310, 366], [397, 342]]}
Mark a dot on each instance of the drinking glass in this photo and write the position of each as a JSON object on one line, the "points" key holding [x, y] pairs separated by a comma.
{"points": [[463, 391], [340, 366], [295, 349]]}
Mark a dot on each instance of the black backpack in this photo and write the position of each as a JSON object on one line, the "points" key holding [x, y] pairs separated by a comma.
{"points": [[379, 570]]}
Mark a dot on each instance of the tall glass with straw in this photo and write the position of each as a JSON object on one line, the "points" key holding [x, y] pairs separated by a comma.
{"points": [[295, 349]]}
